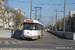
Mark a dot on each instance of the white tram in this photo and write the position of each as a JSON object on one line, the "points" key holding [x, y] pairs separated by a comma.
{"points": [[33, 29]]}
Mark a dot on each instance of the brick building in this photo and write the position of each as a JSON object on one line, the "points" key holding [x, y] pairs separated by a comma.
{"points": [[20, 18]]}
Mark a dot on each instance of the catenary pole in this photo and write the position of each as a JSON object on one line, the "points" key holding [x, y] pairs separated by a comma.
{"points": [[56, 20], [64, 15], [31, 10]]}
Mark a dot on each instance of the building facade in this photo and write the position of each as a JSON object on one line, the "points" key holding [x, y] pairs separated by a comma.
{"points": [[2, 10], [9, 19], [71, 21], [20, 18]]}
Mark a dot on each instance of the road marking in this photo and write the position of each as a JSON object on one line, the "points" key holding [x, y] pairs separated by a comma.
{"points": [[14, 42], [19, 42], [47, 44], [24, 49], [6, 42], [11, 42], [26, 41]]}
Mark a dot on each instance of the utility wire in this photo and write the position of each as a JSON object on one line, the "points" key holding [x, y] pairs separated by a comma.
{"points": [[35, 2], [40, 3], [67, 1], [59, 6], [62, 4], [19, 1]]}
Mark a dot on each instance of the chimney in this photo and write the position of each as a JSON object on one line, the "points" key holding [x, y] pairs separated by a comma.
{"points": [[20, 12]]}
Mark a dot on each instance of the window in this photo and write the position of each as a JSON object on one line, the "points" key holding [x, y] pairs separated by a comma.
{"points": [[28, 26], [39, 27], [32, 26]]}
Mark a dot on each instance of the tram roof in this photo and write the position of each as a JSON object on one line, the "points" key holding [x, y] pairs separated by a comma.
{"points": [[32, 21]]}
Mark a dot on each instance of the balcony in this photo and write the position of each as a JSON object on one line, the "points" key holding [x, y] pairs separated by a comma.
{"points": [[1, 16], [2, 11], [2, 3], [2, 7]]}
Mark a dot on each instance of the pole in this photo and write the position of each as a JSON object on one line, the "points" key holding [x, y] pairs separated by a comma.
{"points": [[40, 13], [52, 23], [35, 14], [31, 10], [64, 15], [56, 20]]}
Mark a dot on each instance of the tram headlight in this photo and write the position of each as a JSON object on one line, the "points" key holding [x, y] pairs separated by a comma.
{"points": [[30, 34], [25, 33]]}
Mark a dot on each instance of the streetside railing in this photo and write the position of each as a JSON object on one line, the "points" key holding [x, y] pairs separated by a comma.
{"points": [[67, 35]]}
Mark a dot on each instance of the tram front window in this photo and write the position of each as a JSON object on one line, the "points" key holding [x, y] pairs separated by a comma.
{"points": [[29, 26]]}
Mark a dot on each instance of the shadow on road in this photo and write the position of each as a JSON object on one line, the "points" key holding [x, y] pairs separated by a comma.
{"points": [[27, 39]]}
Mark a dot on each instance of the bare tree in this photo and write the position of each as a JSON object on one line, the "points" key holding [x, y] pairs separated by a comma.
{"points": [[6, 3]]}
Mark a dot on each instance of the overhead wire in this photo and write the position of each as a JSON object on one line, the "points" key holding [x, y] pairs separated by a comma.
{"points": [[35, 2], [19, 1]]}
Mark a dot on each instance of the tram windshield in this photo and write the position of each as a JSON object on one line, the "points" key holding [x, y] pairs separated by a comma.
{"points": [[29, 26], [32, 26]]}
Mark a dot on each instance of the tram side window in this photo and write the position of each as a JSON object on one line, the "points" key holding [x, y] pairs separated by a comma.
{"points": [[28, 26], [38, 27]]}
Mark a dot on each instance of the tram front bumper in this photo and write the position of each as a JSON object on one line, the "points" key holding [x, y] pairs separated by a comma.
{"points": [[32, 37]]}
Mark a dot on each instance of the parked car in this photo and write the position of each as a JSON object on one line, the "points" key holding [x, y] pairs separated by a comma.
{"points": [[45, 29]]}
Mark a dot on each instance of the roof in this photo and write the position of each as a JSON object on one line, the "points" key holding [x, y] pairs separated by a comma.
{"points": [[34, 21]]}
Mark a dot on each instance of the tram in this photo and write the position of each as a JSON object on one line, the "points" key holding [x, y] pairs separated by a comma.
{"points": [[32, 29]]}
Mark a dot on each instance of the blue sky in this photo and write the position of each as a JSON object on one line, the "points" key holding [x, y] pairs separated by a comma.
{"points": [[48, 8]]}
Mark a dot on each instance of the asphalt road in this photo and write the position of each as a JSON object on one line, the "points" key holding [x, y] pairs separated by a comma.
{"points": [[47, 42]]}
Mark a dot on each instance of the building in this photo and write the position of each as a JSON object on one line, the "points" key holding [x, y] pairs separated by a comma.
{"points": [[9, 19], [18, 11], [72, 21], [72, 13], [20, 18], [54, 26], [2, 9]]}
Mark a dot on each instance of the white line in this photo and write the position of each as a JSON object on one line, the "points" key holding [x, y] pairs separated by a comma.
{"points": [[19, 42], [26, 41], [6, 42], [24, 49], [13, 42], [47, 44]]}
